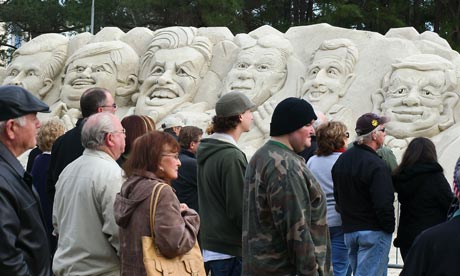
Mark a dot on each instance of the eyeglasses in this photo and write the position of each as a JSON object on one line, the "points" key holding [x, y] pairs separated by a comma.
{"points": [[173, 155], [119, 131], [114, 105], [347, 134]]}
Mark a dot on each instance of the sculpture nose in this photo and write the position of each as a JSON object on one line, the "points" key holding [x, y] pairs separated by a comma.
{"points": [[165, 78], [318, 79], [245, 74], [17, 80], [87, 72], [412, 98]]}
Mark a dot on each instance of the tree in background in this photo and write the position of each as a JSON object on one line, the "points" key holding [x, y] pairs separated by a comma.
{"points": [[30, 18]]}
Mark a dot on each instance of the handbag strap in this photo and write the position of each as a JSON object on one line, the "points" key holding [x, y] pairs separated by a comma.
{"points": [[153, 204]]}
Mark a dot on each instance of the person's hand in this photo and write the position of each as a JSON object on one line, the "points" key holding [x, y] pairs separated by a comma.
{"points": [[183, 207]]}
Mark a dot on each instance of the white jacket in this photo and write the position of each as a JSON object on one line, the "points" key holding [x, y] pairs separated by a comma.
{"points": [[83, 216]]}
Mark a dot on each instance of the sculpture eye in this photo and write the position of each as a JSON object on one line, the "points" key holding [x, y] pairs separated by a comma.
{"points": [[332, 71], [314, 71], [14, 73], [31, 73], [80, 69], [182, 72], [242, 65], [157, 70], [263, 67], [426, 92], [99, 69], [401, 91]]}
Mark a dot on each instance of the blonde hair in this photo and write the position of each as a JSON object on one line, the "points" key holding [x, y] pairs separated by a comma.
{"points": [[49, 132]]}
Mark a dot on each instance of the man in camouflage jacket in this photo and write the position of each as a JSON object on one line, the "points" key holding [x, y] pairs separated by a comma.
{"points": [[284, 211]]}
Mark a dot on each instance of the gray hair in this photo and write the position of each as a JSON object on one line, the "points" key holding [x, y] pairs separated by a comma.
{"points": [[21, 121], [96, 128], [366, 138]]}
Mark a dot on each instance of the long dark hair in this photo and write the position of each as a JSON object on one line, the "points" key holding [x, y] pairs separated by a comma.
{"points": [[419, 150]]}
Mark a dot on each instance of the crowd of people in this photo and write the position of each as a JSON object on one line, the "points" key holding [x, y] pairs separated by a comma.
{"points": [[84, 203]]}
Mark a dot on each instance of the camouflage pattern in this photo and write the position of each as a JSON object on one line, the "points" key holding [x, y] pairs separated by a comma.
{"points": [[284, 216]]}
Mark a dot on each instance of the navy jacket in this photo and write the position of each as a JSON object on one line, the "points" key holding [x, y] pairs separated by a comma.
{"points": [[363, 191], [24, 247], [185, 184], [65, 150]]}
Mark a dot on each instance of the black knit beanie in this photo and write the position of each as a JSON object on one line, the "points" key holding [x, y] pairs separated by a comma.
{"points": [[290, 115]]}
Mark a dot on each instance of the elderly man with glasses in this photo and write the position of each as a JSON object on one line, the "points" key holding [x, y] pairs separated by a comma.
{"points": [[68, 147], [83, 215], [364, 196]]}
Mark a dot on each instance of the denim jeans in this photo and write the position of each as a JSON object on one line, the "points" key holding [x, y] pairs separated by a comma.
{"points": [[226, 267], [368, 252], [340, 261]]}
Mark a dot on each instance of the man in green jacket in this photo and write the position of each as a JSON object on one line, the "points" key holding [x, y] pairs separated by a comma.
{"points": [[284, 212], [221, 167]]}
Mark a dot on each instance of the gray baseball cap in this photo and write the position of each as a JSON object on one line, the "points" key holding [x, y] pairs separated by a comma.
{"points": [[233, 103]]}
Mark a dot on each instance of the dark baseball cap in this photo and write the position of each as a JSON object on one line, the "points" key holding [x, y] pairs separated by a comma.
{"points": [[368, 122], [16, 101], [233, 103]]}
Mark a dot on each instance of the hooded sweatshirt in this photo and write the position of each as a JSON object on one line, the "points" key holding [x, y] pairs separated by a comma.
{"points": [[425, 197], [221, 168], [175, 231]]}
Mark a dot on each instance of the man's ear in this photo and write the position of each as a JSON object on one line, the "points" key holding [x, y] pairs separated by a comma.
{"points": [[449, 100], [9, 129], [48, 84], [348, 81], [377, 99]]}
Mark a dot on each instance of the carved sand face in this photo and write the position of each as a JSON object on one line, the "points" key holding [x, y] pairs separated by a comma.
{"points": [[414, 102], [27, 71], [88, 72], [173, 78], [258, 72], [326, 78]]}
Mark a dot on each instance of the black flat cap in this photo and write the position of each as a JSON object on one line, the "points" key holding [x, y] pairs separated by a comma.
{"points": [[15, 102]]}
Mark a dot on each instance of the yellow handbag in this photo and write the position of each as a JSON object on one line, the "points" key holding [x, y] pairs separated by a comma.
{"points": [[191, 263]]}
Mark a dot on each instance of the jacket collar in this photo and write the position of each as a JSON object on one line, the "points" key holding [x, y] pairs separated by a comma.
{"points": [[13, 162]]}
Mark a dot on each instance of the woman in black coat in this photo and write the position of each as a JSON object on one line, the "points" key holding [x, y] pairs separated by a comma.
{"points": [[423, 191]]}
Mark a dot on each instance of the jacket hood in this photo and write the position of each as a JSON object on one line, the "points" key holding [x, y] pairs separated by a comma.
{"points": [[131, 195], [404, 181], [209, 146]]}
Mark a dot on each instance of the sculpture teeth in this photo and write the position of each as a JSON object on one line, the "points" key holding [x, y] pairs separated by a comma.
{"points": [[164, 94]]}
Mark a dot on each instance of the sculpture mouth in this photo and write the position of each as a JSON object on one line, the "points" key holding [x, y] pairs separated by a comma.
{"points": [[408, 115], [160, 96], [240, 87], [316, 94], [83, 83]]}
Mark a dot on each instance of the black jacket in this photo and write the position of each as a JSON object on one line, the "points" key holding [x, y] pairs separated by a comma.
{"points": [[24, 247], [363, 191], [435, 251], [185, 184], [65, 150], [425, 197]]}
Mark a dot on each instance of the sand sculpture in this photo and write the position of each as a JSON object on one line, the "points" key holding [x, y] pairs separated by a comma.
{"points": [[181, 71]]}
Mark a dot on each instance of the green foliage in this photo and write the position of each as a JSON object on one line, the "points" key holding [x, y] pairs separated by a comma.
{"points": [[34, 17]]}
